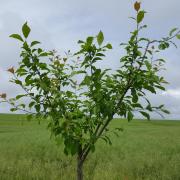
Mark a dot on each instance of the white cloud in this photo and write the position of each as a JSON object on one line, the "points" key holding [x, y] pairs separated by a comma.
{"points": [[61, 23], [175, 93]]}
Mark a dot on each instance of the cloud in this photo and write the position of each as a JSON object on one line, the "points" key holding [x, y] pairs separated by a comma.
{"points": [[60, 24], [174, 93]]}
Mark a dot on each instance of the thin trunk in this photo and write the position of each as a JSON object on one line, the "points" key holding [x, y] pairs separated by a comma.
{"points": [[79, 165]]}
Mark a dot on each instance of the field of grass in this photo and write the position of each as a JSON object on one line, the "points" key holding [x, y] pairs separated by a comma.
{"points": [[144, 150]]}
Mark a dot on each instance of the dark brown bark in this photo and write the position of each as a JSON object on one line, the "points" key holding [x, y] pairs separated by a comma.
{"points": [[79, 165]]}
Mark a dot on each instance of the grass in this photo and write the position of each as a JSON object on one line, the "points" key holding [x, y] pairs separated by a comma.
{"points": [[144, 150]]}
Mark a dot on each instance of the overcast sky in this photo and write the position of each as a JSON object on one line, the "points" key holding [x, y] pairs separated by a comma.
{"points": [[59, 24]]}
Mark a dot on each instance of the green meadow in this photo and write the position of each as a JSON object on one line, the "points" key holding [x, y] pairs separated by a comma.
{"points": [[144, 150]]}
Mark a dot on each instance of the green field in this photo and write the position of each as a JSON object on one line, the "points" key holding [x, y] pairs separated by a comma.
{"points": [[144, 150]]}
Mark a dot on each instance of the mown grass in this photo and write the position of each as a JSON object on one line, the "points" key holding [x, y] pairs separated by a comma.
{"points": [[144, 150]]}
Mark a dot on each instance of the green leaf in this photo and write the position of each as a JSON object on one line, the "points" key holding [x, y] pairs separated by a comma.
{"points": [[21, 71], [150, 88], [172, 31], [26, 30], [37, 107], [86, 81], [165, 111], [178, 36], [130, 116], [163, 45], [17, 36], [137, 105], [43, 86], [20, 96], [28, 80], [109, 46], [43, 65], [145, 114], [100, 54], [161, 106], [31, 104], [22, 105], [34, 43], [89, 40], [148, 107], [43, 54], [66, 152], [100, 38], [26, 46], [96, 59], [13, 109], [69, 94], [134, 96], [161, 87], [140, 16], [80, 42], [18, 82], [40, 50], [148, 65]]}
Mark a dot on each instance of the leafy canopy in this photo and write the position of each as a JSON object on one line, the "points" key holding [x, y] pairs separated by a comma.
{"points": [[80, 99]]}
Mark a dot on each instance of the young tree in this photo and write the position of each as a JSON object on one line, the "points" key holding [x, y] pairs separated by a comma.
{"points": [[80, 99]]}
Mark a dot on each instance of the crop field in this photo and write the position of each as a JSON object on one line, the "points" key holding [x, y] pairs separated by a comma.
{"points": [[144, 150]]}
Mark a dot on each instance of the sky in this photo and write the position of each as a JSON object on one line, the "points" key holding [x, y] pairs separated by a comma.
{"points": [[59, 24]]}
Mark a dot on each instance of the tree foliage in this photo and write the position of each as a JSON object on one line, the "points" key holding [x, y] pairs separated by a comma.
{"points": [[80, 99]]}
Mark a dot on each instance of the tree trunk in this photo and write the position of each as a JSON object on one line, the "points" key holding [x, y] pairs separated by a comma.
{"points": [[79, 165]]}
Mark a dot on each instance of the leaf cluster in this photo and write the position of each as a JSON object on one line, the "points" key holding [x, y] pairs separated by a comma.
{"points": [[80, 99]]}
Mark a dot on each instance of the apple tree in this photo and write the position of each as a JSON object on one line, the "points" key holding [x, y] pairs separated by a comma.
{"points": [[79, 98]]}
